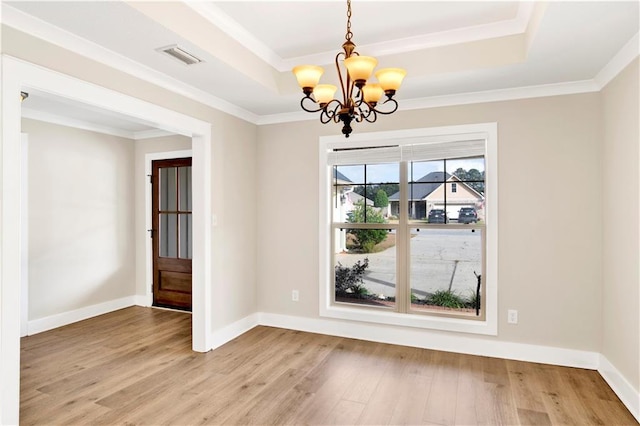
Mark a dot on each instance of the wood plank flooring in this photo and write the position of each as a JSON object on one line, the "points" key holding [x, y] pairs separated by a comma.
{"points": [[135, 366]]}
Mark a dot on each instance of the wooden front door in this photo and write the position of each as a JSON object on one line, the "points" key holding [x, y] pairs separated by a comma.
{"points": [[172, 233]]}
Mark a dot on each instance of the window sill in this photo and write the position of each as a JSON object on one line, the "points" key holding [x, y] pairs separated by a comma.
{"points": [[472, 326]]}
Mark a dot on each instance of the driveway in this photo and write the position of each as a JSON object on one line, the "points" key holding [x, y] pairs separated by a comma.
{"points": [[441, 259]]}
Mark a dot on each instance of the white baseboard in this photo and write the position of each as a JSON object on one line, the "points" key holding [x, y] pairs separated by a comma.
{"points": [[427, 339], [143, 300], [65, 318], [233, 330], [629, 396]]}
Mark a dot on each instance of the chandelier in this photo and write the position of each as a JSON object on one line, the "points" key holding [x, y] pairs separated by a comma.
{"points": [[360, 99]]}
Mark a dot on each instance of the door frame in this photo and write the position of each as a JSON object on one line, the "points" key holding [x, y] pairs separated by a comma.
{"points": [[148, 197], [19, 75]]}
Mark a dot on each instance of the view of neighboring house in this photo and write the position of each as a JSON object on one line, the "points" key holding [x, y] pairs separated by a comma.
{"points": [[345, 200], [428, 193]]}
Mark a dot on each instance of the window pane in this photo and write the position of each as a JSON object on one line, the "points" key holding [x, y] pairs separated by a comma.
{"points": [[469, 170], [168, 235], [184, 177], [422, 171], [168, 188], [443, 264], [426, 202], [348, 174], [361, 277], [383, 173], [186, 244]]}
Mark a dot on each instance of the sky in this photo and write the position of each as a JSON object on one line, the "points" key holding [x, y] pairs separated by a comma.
{"points": [[390, 173]]}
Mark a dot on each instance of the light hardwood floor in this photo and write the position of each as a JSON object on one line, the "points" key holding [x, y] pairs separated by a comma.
{"points": [[135, 366]]}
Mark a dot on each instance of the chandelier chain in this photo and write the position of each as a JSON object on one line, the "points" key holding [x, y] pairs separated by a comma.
{"points": [[349, 33]]}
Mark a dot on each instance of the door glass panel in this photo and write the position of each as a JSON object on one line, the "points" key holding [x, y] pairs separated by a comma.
{"points": [[168, 188], [184, 179], [168, 235], [186, 243]]}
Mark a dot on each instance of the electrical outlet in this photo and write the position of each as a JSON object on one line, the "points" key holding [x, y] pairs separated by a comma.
{"points": [[295, 295], [512, 316]]}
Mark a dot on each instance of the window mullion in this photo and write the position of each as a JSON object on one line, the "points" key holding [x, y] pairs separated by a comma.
{"points": [[403, 299]]}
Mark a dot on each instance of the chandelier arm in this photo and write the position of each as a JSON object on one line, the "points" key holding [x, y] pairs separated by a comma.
{"points": [[305, 108], [395, 107], [329, 114], [325, 117], [361, 114], [372, 116], [343, 88]]}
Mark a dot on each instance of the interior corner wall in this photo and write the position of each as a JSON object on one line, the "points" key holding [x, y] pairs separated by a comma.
{"points": [[550, 214], [621, 224], [233, 169], [81, 218], [143, 147]]}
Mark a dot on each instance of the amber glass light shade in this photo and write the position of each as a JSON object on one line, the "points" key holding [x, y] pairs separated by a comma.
{"points": [[323, 93], [372, 93], [308, 75], [360, 67], [390, 78]]}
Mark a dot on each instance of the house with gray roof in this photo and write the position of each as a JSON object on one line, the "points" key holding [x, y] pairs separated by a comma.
{"points": [[432, 190]]}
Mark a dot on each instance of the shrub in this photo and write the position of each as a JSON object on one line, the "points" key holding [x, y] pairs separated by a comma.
{"points": [[367, 238], [447, 299], [349, 280], [473, 300]]}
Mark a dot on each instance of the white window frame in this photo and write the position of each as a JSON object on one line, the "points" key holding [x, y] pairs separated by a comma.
{"points": [[486, 131]]}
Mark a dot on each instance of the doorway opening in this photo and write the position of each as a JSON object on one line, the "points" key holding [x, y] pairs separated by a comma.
{"points": [[20, 76]]}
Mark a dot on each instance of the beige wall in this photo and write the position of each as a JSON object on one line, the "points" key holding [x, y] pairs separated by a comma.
{"points": [[549, 256], [143, 147], [81, 218], [232, 164], [621, 230]]}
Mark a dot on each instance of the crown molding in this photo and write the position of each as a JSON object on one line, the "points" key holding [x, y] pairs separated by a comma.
{"points": [[220, 19], [624, 57], [41, 29], [569, 88]]}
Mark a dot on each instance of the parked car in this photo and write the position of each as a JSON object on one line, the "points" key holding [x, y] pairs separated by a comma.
{"points": [[437, 216], [467, 215]]}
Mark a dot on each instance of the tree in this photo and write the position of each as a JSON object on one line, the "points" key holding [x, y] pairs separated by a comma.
{"points": [[372, 189], [471, 175], [381, 199], [367, 238]]}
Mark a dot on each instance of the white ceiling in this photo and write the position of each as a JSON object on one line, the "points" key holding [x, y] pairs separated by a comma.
{"points": [[248, 47]]}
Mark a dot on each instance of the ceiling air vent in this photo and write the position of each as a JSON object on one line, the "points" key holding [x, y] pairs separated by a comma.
{"points": [[180, 54]]}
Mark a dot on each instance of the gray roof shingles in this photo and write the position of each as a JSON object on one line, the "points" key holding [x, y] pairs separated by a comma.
{"points": [[340, 176], [426, 185]]}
